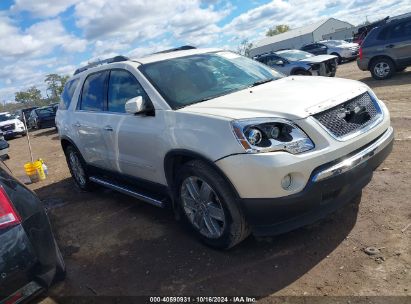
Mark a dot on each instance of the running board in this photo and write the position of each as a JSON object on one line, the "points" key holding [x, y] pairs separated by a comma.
{"points": [[127, 191]]}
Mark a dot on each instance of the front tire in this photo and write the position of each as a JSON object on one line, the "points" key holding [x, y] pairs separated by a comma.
{"points": [[382, 68], [208, 206], [339, 60], [78, 168]]}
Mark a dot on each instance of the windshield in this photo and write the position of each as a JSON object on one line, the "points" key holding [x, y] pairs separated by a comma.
{"points": [[5, 117], [46, 112], [196, 78], [294, 55]]}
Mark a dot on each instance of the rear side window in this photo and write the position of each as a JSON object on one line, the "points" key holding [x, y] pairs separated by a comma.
{"points": [[67, 94], [401, 30], [122, 87], [93, 92]]}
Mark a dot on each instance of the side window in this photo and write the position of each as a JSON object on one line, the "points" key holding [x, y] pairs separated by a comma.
{"points": [[68, 93], [384, 33], [397, 31], [274, 60], [93, 93], [307, 47], [122, 86], [401, 30]]}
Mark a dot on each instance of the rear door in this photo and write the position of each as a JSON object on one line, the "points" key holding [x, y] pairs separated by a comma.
{"points": [[398, 44], [87, 121]]}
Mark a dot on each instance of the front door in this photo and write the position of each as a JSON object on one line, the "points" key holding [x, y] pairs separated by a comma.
{"points": [[133, 141]]}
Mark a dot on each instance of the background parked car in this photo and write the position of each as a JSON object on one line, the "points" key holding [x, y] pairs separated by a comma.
{"points": [[340, 48], [43, 117], [364, 30], [11, 126], [387, 49], [29, 256], [296, 62], [4, 147], [26, 112]]}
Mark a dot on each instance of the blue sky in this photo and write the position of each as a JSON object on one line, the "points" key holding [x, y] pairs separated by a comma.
{"points": [[38, 37]]}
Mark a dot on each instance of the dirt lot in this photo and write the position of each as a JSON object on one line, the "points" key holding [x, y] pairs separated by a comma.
{"points": [[116, 245]]}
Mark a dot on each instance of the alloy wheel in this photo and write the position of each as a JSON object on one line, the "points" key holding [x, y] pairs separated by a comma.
{"points": [[203, 207], [382, 69]]}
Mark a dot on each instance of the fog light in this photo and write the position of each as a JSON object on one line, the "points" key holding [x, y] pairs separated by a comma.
{"points": [[286, 182]]}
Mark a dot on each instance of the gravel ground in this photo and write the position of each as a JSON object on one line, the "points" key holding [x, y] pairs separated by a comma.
{"points": [[115, 245]]}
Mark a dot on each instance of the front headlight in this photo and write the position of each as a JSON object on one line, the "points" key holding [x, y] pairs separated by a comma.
{"points": [[271, 134]]}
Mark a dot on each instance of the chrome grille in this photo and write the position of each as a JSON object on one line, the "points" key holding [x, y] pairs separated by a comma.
{"points": [[349, 117]]}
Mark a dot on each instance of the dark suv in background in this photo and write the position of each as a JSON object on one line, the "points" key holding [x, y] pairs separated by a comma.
{"points": [[387, 49]]}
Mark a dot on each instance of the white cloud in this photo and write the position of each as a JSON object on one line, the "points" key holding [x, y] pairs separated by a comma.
{"points": [[131, 21], [139, 27], [38, 40], [42, 8]]}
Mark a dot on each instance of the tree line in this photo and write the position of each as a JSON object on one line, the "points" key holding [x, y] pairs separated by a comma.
{"points": [[33, 97]]}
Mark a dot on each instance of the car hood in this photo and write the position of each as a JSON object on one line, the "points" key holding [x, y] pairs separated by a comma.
{"points": [[319, 58], [8, 122], [293, 97], [347, 46]]}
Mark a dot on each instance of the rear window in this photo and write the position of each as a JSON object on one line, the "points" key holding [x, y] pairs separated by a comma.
{"points": [[93, 93], [45, 112], [68, 93]]}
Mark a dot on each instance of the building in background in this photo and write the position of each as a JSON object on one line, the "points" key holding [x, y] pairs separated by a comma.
{"points": [[294, 39]]}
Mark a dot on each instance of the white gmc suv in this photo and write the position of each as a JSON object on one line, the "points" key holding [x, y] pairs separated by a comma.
{"points": [[229, 144]]}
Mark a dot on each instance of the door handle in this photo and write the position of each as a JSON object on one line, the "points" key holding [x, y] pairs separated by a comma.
{"points": [[390, 46], [108, 128]]}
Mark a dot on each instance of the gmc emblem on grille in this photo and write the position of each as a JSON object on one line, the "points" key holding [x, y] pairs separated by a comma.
{"points": [[355, 114]]}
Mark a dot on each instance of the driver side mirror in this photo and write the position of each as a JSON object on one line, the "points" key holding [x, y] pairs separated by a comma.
{"points": [[279, 62], [136, 105]]}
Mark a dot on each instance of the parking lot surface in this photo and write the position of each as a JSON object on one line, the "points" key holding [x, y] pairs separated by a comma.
{"points": [[116, 245]]}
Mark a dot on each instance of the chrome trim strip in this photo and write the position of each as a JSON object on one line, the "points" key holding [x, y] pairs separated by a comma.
{"points": [[126, 191], [357, 159]]}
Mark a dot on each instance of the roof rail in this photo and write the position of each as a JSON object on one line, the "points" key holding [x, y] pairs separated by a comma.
{"points": [[100, 62], [180, 48]]}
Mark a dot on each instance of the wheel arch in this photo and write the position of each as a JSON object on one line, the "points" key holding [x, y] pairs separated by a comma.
{"points": [[66, 141], [380, 56], [174, 159]]}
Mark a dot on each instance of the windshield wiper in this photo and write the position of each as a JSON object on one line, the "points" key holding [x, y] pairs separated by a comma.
{"points": [[261, 82]]}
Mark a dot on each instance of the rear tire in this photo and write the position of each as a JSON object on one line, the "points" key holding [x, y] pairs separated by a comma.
{"points": [[212, 212], [382, 68], [78, 169]]}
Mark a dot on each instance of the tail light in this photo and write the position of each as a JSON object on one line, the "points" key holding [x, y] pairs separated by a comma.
{"points": [[8, 215], [360, 53]]}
